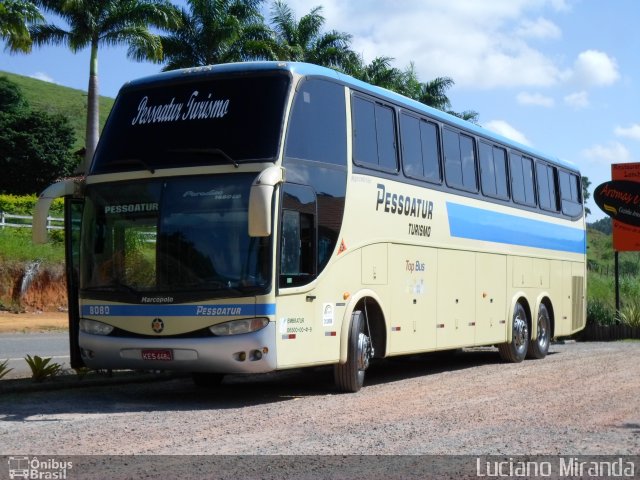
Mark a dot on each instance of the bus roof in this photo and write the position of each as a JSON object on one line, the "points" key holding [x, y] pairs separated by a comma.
{"points": [[306, 69]]}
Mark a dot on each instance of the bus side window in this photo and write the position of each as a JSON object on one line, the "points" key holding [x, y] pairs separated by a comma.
{"points": [[318, 126], [430, 151], [374, 135], [460, 161], [493, 171], [570, 194], [298, 236], [547, 187], [420, 153], [500, 163], [522, 180], [411, 147]]}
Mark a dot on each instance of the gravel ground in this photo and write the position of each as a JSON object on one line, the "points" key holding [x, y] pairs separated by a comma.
{"points": [[583, 399]]}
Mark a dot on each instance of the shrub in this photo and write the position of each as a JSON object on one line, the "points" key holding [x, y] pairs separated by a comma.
{"points": [[41, 368], [630, 313], [3, 368], [600, 313], [24, 205]]}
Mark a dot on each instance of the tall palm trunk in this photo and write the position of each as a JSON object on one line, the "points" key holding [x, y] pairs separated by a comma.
{"points": [[93, 110]]}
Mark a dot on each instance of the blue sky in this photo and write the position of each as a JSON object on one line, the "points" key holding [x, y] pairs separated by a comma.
{"points": [[560, 75]]}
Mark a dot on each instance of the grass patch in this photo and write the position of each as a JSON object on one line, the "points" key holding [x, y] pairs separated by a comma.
{"points": [[16, 246]]}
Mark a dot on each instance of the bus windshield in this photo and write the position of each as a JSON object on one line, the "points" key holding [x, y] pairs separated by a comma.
{"points": [[209, 121], [184, 236]]}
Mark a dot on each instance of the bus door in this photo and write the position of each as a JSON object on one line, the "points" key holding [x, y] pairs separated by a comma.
{"points": [[297, 305], [72, 221]]}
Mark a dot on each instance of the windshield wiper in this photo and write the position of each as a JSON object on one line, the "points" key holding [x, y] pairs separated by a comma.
{"points": [[208, 151], [133, 161]]}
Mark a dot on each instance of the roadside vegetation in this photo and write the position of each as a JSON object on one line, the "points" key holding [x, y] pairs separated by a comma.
{"points": [[601, 302], [55, 99], [18, 254]]}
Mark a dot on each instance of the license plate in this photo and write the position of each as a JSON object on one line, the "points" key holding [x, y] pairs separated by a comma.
{"points": [[163, 355]]}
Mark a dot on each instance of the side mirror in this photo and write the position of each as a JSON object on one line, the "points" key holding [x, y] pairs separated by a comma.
{"points": [[41, 211], [260, 201]]}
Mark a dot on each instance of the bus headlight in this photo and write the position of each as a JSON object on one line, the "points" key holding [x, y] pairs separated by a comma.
{"points": [[236, 327], [94, 327]]}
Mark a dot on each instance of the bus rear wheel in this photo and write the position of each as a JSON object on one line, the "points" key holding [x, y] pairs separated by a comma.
{"points": [[539, 347], [515, 350], [349, 377]]}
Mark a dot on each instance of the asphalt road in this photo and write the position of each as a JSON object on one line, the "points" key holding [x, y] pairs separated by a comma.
{"points": [[16, 346]]}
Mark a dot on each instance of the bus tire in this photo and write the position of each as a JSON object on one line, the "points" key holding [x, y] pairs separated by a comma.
{"points": [[207, 379], [349, 377], [539, 347], [515, 350]]}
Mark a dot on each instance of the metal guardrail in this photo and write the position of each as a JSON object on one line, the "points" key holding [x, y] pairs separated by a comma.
{"points": [[24, 221]]}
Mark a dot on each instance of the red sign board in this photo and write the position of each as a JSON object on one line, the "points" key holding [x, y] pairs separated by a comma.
{"points": [[626, 237]]}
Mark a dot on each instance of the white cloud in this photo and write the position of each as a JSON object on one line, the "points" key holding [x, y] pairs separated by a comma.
{"points": [[632, 132], [503, 128], [481, 45], [577, 100], [561, 5], [595, 69], [540, 28], [537, 99], [614, 152], [43, 76], [478, 44]]}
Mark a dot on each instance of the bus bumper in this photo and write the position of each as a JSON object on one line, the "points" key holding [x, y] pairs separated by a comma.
{"points": [[246, 353]]}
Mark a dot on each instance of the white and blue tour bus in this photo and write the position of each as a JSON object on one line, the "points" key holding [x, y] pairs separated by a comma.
{"points": [[255, 217]]}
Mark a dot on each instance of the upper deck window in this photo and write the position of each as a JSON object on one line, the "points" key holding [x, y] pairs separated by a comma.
{"points": [[571, 194], [548, 198], [318, 125], [420, 152], [374, 134], [522, 180], [459, 161], [194, 122], [493, 171]]}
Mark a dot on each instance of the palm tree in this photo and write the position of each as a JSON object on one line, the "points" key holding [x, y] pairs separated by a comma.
{"points": [[218, 31], [433, 93], [15, 15], [468, 115], [380, 73], [303, 41], [92, 23]]}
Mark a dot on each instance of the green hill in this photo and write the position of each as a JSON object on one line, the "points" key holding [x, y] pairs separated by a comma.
{"points": [[67, 101]]}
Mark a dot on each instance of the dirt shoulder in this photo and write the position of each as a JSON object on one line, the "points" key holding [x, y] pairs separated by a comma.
{"points": [[32, 322], [581, 400]]}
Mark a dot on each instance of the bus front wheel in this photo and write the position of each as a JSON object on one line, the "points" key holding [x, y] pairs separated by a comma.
{"points": [[539, 347], [515, 350], [350, 376]]}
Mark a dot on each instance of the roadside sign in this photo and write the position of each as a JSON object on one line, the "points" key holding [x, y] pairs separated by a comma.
{"points": [[620, 199]]}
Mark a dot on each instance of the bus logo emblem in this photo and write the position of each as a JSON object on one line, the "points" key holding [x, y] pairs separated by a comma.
{"points": [[157, 325]]}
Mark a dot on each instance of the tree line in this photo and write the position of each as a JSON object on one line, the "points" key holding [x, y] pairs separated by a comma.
{"points": [[206, 32], [35, 146]]}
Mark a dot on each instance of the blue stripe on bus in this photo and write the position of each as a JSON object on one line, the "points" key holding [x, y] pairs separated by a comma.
{"points": [[479, 224], [204, 310]]}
